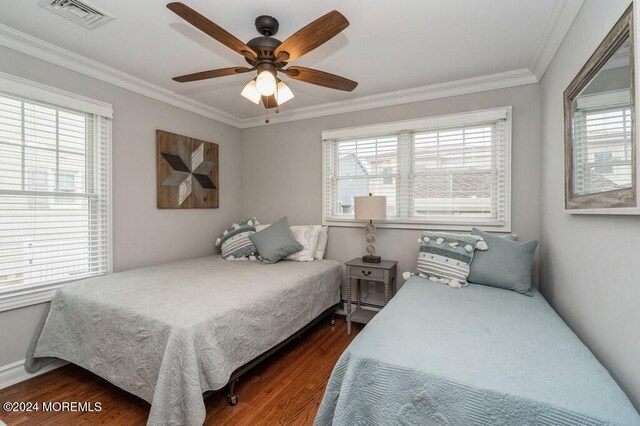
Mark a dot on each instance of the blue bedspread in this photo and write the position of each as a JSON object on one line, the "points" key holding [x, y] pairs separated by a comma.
{"points": [[476, 356]]}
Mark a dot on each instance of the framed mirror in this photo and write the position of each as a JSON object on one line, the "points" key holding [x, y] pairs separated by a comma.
{"points": [[600, 128]]}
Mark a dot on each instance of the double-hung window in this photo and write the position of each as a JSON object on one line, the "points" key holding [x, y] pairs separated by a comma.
{"points": [[54, 192], [602, 151], [447, 172]]}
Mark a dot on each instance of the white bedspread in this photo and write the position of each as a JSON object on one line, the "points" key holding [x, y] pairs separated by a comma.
{"points": [[170, 332]]}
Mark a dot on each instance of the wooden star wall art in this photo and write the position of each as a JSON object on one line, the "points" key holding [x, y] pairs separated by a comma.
{"points": [[186, 172]]}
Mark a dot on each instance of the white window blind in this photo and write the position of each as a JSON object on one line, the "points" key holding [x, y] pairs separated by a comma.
{"points": [[449, 171], [602, 151], [54, 194]]}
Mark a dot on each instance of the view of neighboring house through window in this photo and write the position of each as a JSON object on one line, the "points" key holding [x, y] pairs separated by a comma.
{"points": [[366, 165], [602, 149], [448, 172], [455, 173], [53, 194]]}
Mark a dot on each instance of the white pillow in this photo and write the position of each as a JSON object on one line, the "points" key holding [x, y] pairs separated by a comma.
{"points": [[323, 239], [308, 236]]}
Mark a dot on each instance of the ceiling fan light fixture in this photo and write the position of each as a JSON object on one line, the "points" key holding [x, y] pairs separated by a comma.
{"points": [[284, 93], [251, 92], [266, 83]]}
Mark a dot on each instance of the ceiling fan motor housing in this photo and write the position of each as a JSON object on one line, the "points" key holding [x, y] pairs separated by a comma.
{"points": [[267, 25], [265, 45]]}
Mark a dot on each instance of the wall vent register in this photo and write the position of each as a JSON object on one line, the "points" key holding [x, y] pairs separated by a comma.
{"points": [[79, 12]]}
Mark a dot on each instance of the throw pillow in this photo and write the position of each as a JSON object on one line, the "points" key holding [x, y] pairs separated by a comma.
{"points": [[445, 257], [307, 236], [507, 264], [234, 242], [323, 239], [321, 246], [275, 242]]}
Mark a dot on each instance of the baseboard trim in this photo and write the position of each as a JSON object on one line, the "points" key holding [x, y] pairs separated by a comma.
{"points": [[13, 373]]}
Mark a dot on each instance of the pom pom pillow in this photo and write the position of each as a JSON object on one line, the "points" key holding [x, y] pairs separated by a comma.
{"points": [[445, 257], [234, 242]]}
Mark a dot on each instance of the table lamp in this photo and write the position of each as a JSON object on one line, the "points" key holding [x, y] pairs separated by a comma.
{"points": [[371, 208]]}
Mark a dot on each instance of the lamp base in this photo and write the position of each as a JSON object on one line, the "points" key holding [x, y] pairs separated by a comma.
{"points": [[371, 259]]}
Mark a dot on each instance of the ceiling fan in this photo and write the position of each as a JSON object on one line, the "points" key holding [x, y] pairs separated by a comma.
{"points": [[269, 56]]}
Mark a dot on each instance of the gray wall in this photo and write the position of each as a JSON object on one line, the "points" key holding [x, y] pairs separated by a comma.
{"points": [[589, 264], [143, 235], [283, 171]]}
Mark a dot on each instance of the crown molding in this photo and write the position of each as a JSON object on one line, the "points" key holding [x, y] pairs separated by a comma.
{"points": [[434, 91], [32, 46], [557, 27]]}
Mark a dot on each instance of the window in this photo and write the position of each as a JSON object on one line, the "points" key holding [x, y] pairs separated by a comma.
{"points": [[602, 149], [54, 196], [450, 172]]}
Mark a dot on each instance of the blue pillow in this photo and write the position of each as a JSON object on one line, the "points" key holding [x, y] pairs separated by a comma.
{"points": [[506, 264], [275, 242]]}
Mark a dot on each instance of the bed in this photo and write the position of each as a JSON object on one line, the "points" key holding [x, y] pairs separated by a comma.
{"points": [[171, 332], [474, 356]]}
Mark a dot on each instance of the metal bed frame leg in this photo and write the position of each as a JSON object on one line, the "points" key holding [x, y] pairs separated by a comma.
{"points": [[333, 319], [232, 399]]}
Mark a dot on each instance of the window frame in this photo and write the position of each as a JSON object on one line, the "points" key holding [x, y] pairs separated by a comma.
{"points": [[413, 125], [42, 293]]}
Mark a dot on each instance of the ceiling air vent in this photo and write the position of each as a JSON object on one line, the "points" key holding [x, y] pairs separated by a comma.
{"points": [[79, 12]]}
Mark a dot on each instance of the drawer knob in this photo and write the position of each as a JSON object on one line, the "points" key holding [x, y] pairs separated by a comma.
{"points": [[366, 273]]}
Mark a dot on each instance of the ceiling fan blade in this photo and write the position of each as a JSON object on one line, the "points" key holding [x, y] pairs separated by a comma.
{"points": [[269, 101], [313, 35], [203, 75], [321, 78], [210, 28]]}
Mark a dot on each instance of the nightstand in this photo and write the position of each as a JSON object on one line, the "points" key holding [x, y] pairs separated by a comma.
{"points": [[383, 272]]}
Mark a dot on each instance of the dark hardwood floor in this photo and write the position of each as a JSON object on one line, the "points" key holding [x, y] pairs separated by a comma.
{"points": [[285, 389]]}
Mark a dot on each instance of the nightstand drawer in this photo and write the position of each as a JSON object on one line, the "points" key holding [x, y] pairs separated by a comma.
{"points": [[364, 272]]}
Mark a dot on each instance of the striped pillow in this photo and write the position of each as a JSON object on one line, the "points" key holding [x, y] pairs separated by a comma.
{"points": [[234, 242], [445, 258]]}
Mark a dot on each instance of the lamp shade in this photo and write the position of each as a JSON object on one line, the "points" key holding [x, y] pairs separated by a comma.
{"points": [[284, 93], [371, 207], [266, 83], [250, 92]]}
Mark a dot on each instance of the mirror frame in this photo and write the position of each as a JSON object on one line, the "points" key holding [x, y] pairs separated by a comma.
{"points": [[619, 198]]}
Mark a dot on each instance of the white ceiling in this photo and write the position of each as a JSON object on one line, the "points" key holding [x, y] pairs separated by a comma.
{"points": [[389, 46]]}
